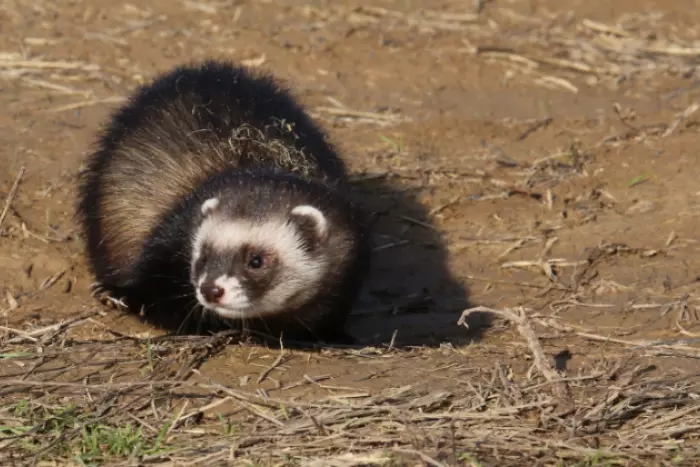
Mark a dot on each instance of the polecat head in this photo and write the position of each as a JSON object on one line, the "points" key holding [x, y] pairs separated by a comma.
{"points": [[252, 265]]}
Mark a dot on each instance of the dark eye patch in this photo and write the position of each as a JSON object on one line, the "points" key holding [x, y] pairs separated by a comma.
{"points": [[257, 268], [255, 258], [204, 254]]}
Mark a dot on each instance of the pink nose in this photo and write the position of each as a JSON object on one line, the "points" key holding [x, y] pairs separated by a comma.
{"points": [[211, 292]]}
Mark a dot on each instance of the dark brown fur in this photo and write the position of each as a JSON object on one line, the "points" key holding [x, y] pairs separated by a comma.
{"points": [[187, 127]]}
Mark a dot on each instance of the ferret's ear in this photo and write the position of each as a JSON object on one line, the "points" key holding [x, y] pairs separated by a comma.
{"points": [[209, 205], [312, 224]]}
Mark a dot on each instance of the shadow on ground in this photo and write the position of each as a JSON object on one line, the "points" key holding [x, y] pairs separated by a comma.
{"points": [[410, 298]]}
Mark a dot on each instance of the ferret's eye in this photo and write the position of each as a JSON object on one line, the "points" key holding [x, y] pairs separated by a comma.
{"points": [[256, 262]]}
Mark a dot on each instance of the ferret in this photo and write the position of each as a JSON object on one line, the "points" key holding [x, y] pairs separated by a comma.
{"points": [[213, 201]]}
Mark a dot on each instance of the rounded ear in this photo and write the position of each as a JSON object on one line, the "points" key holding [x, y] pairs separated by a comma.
{"points": [[311, 222], [209, 205]]}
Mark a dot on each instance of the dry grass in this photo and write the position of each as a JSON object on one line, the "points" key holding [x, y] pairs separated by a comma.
{"points": [[108, 400], [635, 48], [553, 49]]}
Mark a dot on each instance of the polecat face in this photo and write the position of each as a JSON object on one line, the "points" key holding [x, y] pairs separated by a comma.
{"points": [[248, 268]]}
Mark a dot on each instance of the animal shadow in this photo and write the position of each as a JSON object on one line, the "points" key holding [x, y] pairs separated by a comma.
{"points": [[410, 297]]}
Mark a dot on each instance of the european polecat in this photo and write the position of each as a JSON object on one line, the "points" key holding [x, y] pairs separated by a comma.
{"points": [[213, 201]]}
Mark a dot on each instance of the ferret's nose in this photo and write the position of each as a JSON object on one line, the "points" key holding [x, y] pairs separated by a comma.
{"points": [[211, 292]]}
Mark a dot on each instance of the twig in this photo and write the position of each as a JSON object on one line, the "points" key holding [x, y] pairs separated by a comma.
{"points": [[543, 364], [178, 418], [516, 283], [41, 332], [417, 222], [201, 410], [26, 335], [274, 365], [358, 114], [444, 206], [87, 103], [11, 195], [427, 459], [43, 65], [634, 345], [543, 123]]}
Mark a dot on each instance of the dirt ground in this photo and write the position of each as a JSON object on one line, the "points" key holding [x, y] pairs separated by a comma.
{"points": [[531, 157]]}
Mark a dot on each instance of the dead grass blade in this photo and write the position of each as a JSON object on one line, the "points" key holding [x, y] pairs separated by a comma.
{"points": [[11, 195]]}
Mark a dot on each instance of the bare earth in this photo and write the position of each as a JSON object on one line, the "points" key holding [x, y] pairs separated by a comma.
{"points": [[533, 157]]}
